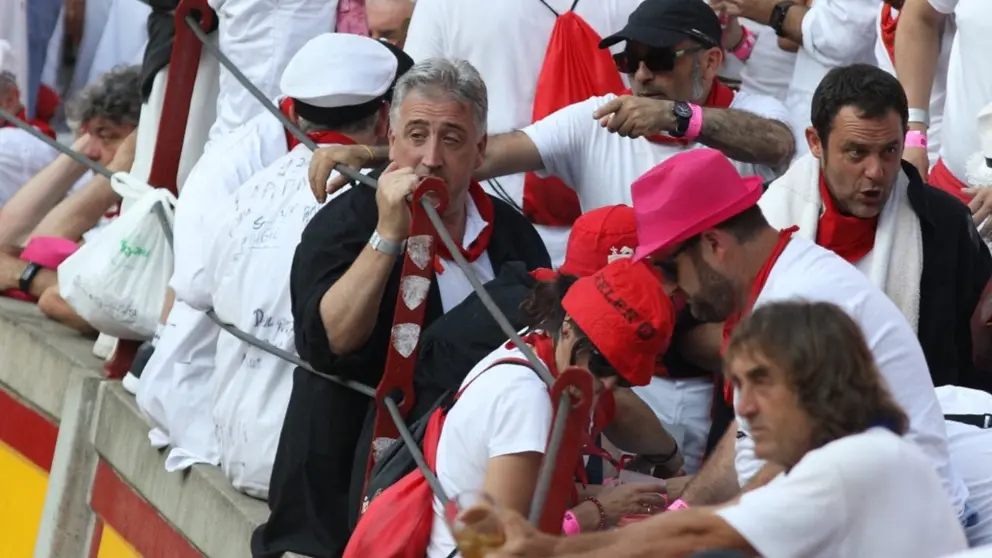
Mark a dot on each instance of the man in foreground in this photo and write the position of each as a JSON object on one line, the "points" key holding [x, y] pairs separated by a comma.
{"points": [[820, 411]]}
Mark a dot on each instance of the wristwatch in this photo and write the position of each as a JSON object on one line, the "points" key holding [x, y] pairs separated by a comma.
{"points": [[388, 247], [683, 114], [27, 277], [777, 19]]}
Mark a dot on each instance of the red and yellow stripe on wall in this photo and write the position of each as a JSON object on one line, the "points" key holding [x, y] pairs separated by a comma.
{"points": [[126, 525]]}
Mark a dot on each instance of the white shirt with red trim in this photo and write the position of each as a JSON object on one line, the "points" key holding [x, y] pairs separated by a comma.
{"points": [[452, 283], [805, 271], [968, 88], [601, 165], [506, 411], [867, 495]]}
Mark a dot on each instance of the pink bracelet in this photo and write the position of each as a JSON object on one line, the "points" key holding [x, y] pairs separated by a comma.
{"points": [[570, 525], [744, 48], [695, 123], [915, 138], [678, 505]]}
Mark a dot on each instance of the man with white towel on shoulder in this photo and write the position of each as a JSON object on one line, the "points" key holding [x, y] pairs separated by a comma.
{"points": [[853, 195]]}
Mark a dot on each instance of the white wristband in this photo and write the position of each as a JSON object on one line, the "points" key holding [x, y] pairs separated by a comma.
{"points": [[919, 116]]}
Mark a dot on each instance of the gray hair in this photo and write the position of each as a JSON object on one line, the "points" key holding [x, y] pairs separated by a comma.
{"points": [[7, 80], [116, 96], [439, 76]]}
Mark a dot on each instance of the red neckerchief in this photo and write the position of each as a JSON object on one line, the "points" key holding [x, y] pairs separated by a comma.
{"points": [[888, 31], [848, 237], [602, 415], [40, 125], [318, 137], [484, 204], [784, 236], [544, 275], [720, 97]]}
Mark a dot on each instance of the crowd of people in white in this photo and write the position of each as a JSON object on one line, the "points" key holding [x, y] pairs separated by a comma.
{"points": [[630, 179]]}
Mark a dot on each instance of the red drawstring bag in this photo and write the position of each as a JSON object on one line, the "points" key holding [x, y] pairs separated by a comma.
{"points": [[398, 521], [574, 69]]}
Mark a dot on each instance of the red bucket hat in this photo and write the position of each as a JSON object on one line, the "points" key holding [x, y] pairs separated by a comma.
{"points": [[686, 195], [626, 314], [598, 238]]}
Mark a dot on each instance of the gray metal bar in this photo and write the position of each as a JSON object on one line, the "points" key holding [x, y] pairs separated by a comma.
{"points": [[414, 447], [67, 151], [267, 103], [163, 220], [287, 356]]}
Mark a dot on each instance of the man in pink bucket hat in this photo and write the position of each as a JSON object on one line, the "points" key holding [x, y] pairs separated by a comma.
{"points": [[698, 220]]}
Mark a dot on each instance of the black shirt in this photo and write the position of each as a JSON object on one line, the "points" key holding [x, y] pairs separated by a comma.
{"points": [[956, 267], [308, 493]]}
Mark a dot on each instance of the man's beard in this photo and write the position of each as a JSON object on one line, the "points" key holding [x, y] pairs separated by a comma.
{"points": [[715, 301]]}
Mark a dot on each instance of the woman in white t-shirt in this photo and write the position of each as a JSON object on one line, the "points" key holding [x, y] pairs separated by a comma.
{"points": [[613, 323], [817, 406]]}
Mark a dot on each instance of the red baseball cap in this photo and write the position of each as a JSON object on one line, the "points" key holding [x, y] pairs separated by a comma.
{"points": [[625, 312], [599, 237], [686, 195]]}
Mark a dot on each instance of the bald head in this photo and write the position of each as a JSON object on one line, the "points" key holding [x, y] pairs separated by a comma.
{"points": [[388, 19]]}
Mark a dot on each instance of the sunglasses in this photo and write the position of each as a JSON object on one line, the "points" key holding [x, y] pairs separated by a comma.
{"points": [[668, 267], [659, 60], [598, 365]]}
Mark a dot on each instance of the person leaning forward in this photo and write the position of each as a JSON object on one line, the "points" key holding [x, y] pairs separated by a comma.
{"points": [[345, 281]]}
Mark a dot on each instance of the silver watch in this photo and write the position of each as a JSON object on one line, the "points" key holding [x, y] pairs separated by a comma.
{"points": [[388, 247]]}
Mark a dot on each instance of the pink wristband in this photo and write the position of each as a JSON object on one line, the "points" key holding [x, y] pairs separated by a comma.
{"points": [[746, 46], [569, 524], [915, 138], [678, 505], [695, 123]]}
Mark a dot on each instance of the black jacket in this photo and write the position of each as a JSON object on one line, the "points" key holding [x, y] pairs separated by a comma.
{"points": [[956, 267], [308, 493]]}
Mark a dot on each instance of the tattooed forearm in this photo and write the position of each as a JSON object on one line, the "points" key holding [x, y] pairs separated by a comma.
{"points": [[747, 137]]}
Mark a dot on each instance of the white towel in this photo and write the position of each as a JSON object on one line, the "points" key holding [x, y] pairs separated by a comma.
{"points": [[896, 261]]}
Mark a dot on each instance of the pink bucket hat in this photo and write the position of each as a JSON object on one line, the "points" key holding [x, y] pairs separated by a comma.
{"points": [[686, 195]]}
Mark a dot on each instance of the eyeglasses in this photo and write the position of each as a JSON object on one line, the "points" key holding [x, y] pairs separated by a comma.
{"points": [[658, 60]]}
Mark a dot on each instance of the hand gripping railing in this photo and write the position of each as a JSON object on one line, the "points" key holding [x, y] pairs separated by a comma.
{"points": [[395, 393]]}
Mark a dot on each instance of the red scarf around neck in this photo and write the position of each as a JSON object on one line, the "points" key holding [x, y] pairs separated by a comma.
{"points": [[40, 125], [318, 137], [720, 97], [484, 204], [888, 30], [784, 236], [849, 237]]}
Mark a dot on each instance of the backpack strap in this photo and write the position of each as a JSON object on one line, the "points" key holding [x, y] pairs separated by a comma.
{"points": [[517, 361]]}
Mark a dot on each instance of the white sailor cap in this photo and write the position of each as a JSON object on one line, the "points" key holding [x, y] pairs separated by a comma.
{"points": [[8, 60], [336, 70]]}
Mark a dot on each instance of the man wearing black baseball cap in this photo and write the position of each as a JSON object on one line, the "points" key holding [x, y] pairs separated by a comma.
{"points": [[666, 23]]}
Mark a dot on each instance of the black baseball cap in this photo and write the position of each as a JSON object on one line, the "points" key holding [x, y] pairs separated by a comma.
{"points": [[664, 23]]}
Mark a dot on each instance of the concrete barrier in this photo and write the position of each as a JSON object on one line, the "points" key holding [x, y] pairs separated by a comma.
{"points": [[78, 477]]}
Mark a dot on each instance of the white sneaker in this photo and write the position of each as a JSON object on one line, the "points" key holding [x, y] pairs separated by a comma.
{"points": [[130, 383], [104, 346]]}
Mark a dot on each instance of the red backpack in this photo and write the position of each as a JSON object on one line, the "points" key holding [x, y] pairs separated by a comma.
{"points": [[574, 69], [398, 520]]}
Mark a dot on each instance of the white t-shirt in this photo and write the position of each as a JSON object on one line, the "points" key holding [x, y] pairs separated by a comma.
{"points": [[868, 495], [21, 157], [971, 454], [939, 91], [805, 271], [835, 33], [968, 90], [601, 165], [505, 411], [769, 69], [477, 31]]}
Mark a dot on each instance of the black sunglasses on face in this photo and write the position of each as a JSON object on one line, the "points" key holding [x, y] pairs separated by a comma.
{"points": [[658, 61], [668, 267]]}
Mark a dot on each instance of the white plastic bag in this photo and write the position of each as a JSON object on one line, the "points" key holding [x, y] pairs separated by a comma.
{"points": [[117, 282]]}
